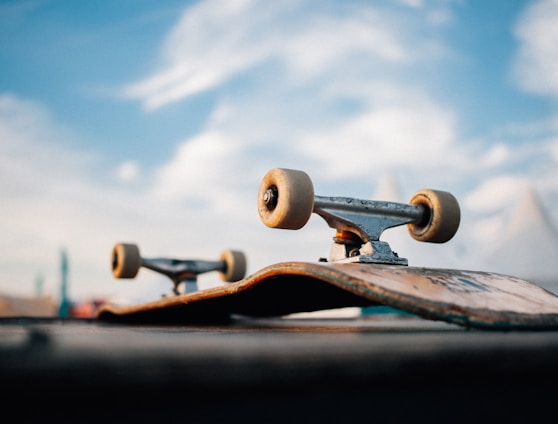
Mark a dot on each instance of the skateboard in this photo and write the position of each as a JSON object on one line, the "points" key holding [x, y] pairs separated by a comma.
{"points": [[127, 261], [361, 270]]}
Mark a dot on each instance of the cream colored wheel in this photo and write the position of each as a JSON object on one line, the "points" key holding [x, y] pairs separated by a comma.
{"points": [[126, 260], [285, 199], [235, 265], [441, 216]]}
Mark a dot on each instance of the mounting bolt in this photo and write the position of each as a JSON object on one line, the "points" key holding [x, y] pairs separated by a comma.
{"points": [[270, 198], [354, 252]]}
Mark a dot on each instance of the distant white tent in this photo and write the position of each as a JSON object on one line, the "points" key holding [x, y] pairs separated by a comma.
{"points": [[529, 247], [388, 189]]}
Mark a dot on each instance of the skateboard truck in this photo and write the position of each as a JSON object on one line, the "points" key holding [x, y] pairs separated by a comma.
{"points": [[286, 200], [126, 262]]}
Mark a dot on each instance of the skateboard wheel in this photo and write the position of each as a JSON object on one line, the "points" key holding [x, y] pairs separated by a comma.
{"points": [[126, 260], [441, 216], [235, 265], [285, 199]]}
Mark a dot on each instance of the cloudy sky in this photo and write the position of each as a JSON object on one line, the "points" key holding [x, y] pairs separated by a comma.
{"points": [[154, 123]]}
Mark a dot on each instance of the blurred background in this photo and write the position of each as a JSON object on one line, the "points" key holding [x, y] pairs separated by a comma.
{"points": [[154, 122]]}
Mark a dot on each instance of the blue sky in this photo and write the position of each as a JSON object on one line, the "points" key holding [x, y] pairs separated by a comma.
{"points": [[154, 123]]}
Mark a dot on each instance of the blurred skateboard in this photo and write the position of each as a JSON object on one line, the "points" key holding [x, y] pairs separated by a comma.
{"points": [[127, 261], [361, 270]]}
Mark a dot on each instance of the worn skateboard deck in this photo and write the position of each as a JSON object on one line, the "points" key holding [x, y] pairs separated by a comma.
{"points": [[467, 298]]}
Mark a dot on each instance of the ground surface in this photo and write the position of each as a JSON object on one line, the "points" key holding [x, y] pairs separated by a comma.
{"points": [[385, 368]]}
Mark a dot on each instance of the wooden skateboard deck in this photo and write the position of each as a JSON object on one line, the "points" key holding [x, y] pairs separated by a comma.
{"points": [[466, 298]]}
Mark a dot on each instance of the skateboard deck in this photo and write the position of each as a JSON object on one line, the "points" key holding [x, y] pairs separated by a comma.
{"points": [[466, 298]]}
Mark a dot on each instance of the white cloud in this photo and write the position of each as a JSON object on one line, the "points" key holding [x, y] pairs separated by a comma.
{"points": [[128, 171], [441, 17], [207, 46], [536, 65], [199, 165], [497, 155], [415, 4], [553, 148], [384, 138], [363, 35], [30, 144], [214, 41]]}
